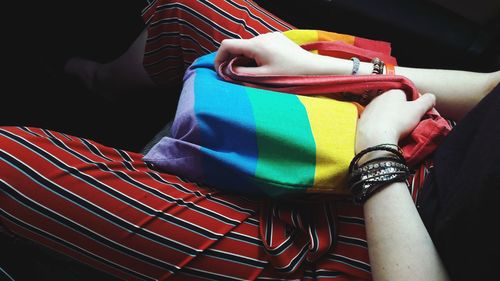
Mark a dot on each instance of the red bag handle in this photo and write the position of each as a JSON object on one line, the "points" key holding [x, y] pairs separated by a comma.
{"points": [[327, 85], [343, 50]]}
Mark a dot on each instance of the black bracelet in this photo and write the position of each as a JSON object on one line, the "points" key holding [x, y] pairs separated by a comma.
{"points": [[395, 149], [366, 191], [366, 179], [371, 183]]}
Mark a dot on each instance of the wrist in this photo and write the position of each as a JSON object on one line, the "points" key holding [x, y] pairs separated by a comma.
{"points": [[365, 68], [374, 155], [369, 138], [325, 65]]}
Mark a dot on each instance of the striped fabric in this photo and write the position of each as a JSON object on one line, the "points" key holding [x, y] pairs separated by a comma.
{"points": [[181, 31], [264, 141], [107, 208]]}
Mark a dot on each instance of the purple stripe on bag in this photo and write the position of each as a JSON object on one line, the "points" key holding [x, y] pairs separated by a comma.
{"points": [[169, 154]]}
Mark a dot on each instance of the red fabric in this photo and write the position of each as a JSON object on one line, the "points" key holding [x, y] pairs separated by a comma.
{"points": [[105, 207], [423, 140], [342, 50], [375, 45], [181, 31]]}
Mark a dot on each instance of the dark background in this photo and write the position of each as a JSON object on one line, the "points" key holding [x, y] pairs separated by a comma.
{"points": [[39, 95], [41, 33]]}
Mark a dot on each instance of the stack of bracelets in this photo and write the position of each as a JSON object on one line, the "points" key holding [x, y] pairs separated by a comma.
{"points": [[367, 178], [378, 66]]}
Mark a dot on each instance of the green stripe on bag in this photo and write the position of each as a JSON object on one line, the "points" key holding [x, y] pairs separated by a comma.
{"points": [[292, 157]]}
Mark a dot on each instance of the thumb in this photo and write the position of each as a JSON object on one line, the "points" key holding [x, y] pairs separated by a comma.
{"points": [[424, 103]]}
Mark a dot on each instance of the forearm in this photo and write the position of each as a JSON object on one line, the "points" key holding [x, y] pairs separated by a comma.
{"points": [[457, 92], [399, 246], [398, 243]]}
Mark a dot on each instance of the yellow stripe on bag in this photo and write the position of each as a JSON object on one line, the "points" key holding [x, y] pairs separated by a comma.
{"points": [[302, 36], [332, 36], [333, 124]]}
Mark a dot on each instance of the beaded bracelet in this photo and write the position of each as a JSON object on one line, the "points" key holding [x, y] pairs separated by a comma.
{"points": [[378, 66]]}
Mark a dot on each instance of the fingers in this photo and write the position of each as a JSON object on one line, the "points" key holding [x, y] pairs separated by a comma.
{"points": [[396, 94], [424, 103], [273, 53], [230, 48], [259, 70]]}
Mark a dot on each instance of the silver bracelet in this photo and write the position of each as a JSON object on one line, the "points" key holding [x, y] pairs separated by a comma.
{"points": [[355, 65]]}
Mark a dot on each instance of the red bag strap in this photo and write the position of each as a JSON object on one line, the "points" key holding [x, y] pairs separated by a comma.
{"points": [[343, 50], [327, 85], [323, 84]]}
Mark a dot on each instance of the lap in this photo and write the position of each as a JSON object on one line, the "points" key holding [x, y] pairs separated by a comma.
{"points": [[107, 208]]}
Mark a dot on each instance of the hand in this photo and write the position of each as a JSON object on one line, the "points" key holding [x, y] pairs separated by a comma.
{"points": [[273, 53], [390, 117]]}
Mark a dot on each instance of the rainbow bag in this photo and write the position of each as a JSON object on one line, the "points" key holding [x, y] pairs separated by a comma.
{"points": [[253, 140]]}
